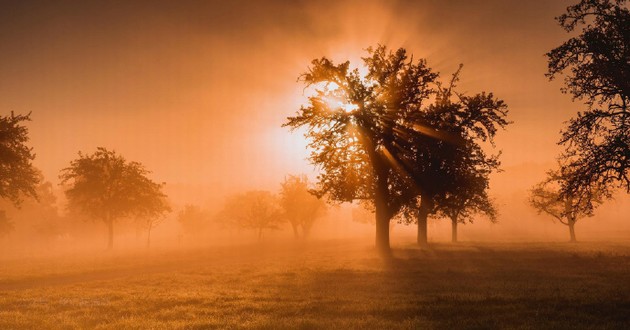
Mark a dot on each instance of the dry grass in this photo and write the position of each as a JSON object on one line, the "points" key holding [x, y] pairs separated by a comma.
{"points": [[335, 284]]}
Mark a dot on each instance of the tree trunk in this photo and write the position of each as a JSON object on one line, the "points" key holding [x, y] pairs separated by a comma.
{"points": [[572, 230], [382, 230], [454, 230], [149, 235], [110, 236], [296, 234], [306, 231], [423, 215]]}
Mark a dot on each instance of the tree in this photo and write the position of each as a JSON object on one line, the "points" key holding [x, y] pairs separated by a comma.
{"points": [[364, 213], [6, 225], [193, 219], [299, 206], [107, 187], [153, 207], [547, 197], [257, 210], [36, 217], [597, 67], [374, 138], [354, 125], [448, 163], [463, 204], [18, 177]]}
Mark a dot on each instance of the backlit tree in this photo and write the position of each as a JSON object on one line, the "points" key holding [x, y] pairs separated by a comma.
{"points": [[107, 187], [547, 197], [18, 177], [299, 206], [596, 64]]}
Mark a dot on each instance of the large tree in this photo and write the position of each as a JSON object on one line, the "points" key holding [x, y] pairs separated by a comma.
{"points": [[547, 197], [354, 124], [107, 187], [375, 137], [299, 206], [449, 163], [18, 177], [596, 64]]}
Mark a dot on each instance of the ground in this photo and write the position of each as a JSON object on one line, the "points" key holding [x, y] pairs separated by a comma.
{"points": [[325, 284]]}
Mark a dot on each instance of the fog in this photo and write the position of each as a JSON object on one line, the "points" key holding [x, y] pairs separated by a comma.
{"points": [[197, 91]]}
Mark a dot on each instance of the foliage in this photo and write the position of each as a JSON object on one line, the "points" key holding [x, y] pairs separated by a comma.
{"points": [[37, 217], [547, 197], [299, 206], [355, 124], [597, 67], [255, 209], [107, 187], [374, 138], [450, 166], [18, 177]]}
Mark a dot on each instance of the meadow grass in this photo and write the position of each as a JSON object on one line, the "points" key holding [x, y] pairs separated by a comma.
{"points": [[327, 284]]}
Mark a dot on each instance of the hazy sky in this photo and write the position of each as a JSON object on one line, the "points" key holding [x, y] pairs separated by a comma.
{"points": [[197, 90]]}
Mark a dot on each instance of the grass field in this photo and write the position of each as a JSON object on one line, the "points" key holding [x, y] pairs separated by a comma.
{"points": [[326, 284]]}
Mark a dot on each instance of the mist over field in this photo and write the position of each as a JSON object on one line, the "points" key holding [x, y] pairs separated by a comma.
{"points": [[314, 164]]}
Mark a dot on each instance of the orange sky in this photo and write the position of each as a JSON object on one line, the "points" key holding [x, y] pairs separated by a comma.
{"points": [[197, 90]]}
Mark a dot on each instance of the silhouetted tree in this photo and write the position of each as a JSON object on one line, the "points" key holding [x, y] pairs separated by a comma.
{"points": [[470, 198], [448, 163], [374, 138], [547, 197], [597, 66], [299, 206], [107, 187], [18, 177], [364, 213], [256, 210], [355, 124]]}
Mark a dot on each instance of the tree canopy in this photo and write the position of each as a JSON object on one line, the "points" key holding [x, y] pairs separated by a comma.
{"points": [[547, 197], [299, 206], [596, 64], [256, 209], [18, 177], [379, 137], [356, 124], [107, 187]]}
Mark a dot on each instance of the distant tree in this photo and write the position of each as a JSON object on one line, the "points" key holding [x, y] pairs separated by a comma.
{"points": [[597, 66], [39, 217], [18, 177], [299, 206], [6, 225], [107, 187], [547, 197], [256, 210], [153, 207], [462, 205], [193, 219]]}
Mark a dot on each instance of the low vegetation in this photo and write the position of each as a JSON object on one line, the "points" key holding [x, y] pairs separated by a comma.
{"points": [[526, 286]]}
